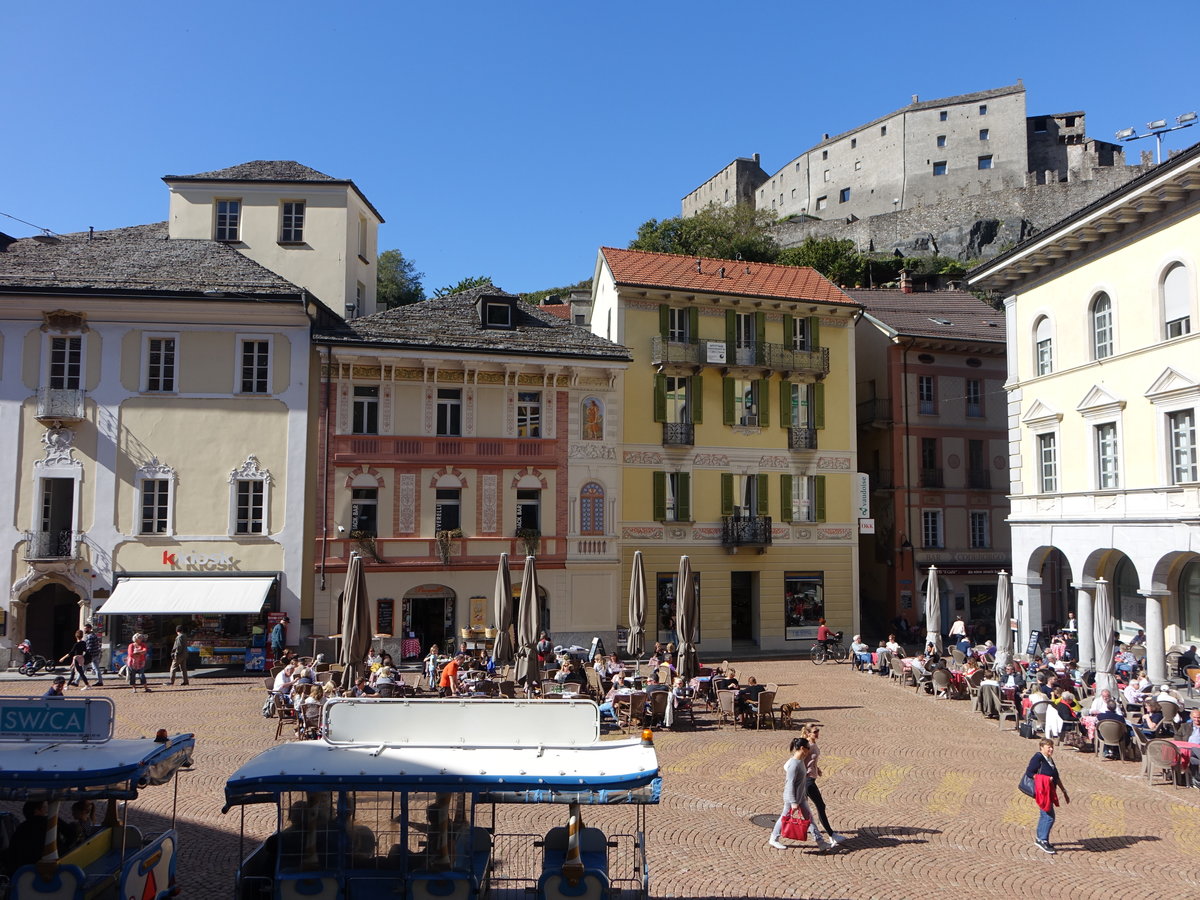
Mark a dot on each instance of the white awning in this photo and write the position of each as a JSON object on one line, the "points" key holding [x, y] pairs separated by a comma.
{"points": [[187, 596]]}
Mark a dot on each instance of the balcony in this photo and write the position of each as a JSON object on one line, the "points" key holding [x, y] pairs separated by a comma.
{"points": [[678, 434], [664, 352], [51, 545], [876, 412], [932, 478], [769, 357], [979, 479], [460, 450], [801, 437], [59, 405], [746, 531]]}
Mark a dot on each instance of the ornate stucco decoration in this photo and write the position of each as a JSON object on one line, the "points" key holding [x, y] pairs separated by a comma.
{"points": [[60, 451], [155, 470], [250, 469], [63, 321]]}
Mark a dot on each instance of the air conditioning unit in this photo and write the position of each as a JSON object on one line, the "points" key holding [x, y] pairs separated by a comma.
{"points": [[751, 421]]}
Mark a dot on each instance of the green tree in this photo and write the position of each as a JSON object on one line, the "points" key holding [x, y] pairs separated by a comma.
{"points": [[723, 232], [397, 281], [536, 297], [471, 281], [837, 260]]}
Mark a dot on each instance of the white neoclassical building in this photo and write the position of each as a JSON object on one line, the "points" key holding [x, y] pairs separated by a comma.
{"points": [[1103, 396]]}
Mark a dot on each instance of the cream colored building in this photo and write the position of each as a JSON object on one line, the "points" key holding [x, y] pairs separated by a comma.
{"points": [[1104, 391], [739, 444], [154, 407], [316, 231]]}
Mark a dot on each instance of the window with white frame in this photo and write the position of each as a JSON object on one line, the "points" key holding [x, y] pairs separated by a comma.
{"points": [[679, 327], [447, 509], [529, 510], [1047, 462], [291, 222], [745, 401], [1102, 327], [974, 391], [926, 399], [802, 405], [66, 363], [156, 499], [1177, 301], [678, 395], [984, 162], [591, 509], [364, 512], [981, 529], [804, 506], [931, 529], [254, 363], [529, 414], [1044, 346], [745, 333], [1107, 477], [249, 498], [160, 364], [800, 333], [449, 412], [227, 226], [1181, 430], [365, 419]]}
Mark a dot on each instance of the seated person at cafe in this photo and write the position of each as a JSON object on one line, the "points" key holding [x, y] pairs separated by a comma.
{"points": [[574, 673], [893, 646], [1137, 689], [1126, 662], [448, 680], [654, 683], [362, 688], [862, 653], [747, 695], [564, 670], [1188, 660], [613, 666], [1010, 679], [1065, 707], [283, 681], [1112, 713], [1152, 724], [1139, 639], [1100, 703], [608, 707], [600, 665]]}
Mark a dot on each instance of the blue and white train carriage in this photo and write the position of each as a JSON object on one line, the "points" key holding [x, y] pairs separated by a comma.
{"points": [[419, 798]]}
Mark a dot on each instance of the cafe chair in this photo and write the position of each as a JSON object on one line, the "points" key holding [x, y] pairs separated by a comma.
{"points": [[284, 715], [1111, 733], [762, 710], [726, 710], [1009, 707], [1163, 758], [658, 707]]}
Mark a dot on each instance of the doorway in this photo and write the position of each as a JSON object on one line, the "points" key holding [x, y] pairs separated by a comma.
{"points": [[743, 592], [51, 620], [431, 619]]}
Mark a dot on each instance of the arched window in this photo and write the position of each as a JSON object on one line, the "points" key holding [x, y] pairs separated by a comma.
{"points": [[1128, 605], [1044, 345], [1102, 327], [591, 509], [1177, 301]]}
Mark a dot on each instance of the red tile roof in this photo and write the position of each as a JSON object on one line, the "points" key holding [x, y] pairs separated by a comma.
{"points": [[639, 268], [558, 310]]}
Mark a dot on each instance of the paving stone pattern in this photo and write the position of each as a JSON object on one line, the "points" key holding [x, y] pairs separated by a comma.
{"points": [[925, 790]]}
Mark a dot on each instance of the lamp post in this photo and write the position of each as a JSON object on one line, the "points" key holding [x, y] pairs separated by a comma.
{"points": [[1157, 129]]}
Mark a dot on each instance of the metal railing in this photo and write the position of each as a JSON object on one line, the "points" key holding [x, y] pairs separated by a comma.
{"points": [[678, 434], [980, 479], [740, 531], [60, 544], [931, 478], [802, 437], [877, 411], [775, 357], [60, 404]]}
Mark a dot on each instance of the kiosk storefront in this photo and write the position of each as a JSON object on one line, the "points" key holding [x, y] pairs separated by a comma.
{"points": [[224, 617]]}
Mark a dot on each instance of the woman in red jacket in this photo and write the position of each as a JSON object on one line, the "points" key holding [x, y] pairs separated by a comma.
{"points": [[1046, 783]]}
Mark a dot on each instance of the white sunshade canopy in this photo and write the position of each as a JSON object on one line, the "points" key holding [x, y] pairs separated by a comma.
{"points": [[187, 596]]}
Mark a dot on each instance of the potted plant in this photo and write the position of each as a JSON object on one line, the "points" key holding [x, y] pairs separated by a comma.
{"points": [[364, 542], [530, 537], [443, 539]]}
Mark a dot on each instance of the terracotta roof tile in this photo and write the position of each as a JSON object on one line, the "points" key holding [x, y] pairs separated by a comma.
{"points": [[640, 268]]}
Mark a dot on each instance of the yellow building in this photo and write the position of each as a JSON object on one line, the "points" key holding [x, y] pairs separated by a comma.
{"points": [[1103, 394], [739, 442]]}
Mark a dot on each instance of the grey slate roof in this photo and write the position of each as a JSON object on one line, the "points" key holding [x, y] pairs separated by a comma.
{"points": [[139, 258], [451, 323], [937, 315], [260, 170]]}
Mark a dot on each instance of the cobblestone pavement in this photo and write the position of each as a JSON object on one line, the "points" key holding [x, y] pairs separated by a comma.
{"points": [[924, 789]]}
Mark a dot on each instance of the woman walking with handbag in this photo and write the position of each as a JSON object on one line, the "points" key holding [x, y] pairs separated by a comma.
{"points": [[795, 789], [812, 731], [1042, 782]]}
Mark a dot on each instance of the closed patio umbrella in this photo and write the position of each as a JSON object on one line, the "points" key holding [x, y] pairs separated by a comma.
{"points": [[356, 622], [1106, 643], [529, 625], [933, 610], [687, 610], [635, 643], [1004, 638], [502, 613]]}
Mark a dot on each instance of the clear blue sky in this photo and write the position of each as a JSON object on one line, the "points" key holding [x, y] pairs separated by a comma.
{"points": [[514, 139]]}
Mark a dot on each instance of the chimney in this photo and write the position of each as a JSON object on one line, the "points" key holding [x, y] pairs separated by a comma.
{"points": [[699, 269], [906, 284], [756, 159], [916, 99], [721, 272]]}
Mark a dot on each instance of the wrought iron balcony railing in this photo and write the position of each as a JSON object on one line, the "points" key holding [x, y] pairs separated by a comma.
{"points": [[678, 434], [802, 437], [746, 531], [60, 404], [60, 544], [979, 479], [931, 478]]}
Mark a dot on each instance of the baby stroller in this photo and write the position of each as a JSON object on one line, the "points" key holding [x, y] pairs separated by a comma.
{"points": [[33, 663]]}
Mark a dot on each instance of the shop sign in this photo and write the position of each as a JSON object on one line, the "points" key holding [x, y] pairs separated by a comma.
{"points": [[59, 719], [862, 495], [866, 526], [199, 562], [714, 352]]}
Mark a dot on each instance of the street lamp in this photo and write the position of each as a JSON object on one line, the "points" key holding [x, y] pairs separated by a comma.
{"points": [[1156, 130]]}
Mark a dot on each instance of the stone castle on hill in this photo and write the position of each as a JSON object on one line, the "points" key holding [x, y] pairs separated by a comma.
{"points": [[960, 176]]}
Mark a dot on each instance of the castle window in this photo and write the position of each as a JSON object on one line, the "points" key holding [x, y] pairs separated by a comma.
{"points": [[983, 109], [853, 143], [985, 162], [943, 116], [844, 195], [939, 168], [824, 154], [983, 134], [941, 140], [883, 131]]}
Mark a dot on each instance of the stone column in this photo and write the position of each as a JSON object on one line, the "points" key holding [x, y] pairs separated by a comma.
{"points": [[1156, 649], [1083, 621]]}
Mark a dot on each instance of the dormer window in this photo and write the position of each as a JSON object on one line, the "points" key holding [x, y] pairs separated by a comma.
{"points": [[497, 312]]}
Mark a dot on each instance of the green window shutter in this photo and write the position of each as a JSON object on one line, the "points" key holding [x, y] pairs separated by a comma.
{"points": [[764, 402], [664, 320], [760, 329], [683, 503], [788, 328], [726, 494], [818, 405], [693, 323], [730, 332], [697, 399], [814, 333], [660, 398], [727, 396], [785, 404], [819, 497], [660, 496], [785, 497], [764, 500]]}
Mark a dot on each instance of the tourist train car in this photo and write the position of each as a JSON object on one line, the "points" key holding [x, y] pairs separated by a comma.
{"points": [[419, 798], [61, 750]]}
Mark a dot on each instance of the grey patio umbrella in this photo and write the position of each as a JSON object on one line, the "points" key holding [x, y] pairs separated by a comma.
{"points": [[635, 643], [687, 617], [502, 613], [1004, 607], [356, 622], [933, 610], [1105, 627], [529, 625]]}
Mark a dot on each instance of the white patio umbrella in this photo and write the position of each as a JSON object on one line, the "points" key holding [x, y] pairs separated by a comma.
{"points": [[502, 652], [1105, 626], [933, 610], [635, 643], [529, 625], [1004, 607]]}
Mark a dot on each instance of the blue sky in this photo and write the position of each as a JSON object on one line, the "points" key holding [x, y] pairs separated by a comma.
{"points": [[514, 139]]}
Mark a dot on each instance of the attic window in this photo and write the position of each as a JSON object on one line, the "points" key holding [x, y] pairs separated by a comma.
{"points": [[925, 358], [496, 312]]}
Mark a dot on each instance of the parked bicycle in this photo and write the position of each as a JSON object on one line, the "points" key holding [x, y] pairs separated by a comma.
{"points": [[831, 649], [34, 663]]}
